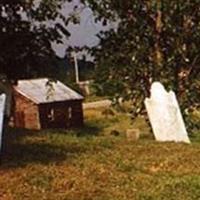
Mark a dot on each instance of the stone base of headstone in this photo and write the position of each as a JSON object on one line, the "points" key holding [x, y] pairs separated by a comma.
{"points": [[85, 87], [132, 134]]}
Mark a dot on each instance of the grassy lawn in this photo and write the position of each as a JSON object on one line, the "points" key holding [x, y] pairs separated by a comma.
{"points": [[92, 98], [92, 164]]}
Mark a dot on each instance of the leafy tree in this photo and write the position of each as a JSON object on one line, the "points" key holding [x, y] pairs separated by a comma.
{"points": [[27, 30], [156, 40]]}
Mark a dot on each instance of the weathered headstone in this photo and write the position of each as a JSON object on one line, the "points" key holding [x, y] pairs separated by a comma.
{"points": [[2, 108], [165, 116]]}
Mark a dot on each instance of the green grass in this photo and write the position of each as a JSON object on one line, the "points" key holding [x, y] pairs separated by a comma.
{"points": [[92, 98], [91, 164]]}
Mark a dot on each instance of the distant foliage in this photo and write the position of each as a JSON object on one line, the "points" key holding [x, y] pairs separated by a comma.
{"points": [[27, 30], [156, 40]]}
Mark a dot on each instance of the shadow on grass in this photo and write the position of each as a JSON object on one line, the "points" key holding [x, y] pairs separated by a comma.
{"points": [[24, 154], [18, 152], [89, 129]]}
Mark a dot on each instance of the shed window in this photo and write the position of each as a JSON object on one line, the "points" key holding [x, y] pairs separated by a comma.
{"points": [[69, 113], [51, 115]]}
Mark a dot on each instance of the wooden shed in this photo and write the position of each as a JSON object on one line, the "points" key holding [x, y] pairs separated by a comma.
{"points": [[40, 106]]}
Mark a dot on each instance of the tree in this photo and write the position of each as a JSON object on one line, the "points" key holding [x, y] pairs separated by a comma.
{"points": [[156, 40], [27, 30]]}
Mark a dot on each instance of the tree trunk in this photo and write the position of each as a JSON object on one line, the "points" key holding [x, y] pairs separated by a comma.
{"points": [[158, 53]]}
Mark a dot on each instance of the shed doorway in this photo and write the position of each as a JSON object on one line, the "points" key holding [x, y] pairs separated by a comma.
{"points": [[57, 117]]}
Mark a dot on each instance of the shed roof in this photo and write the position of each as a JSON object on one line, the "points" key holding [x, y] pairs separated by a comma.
{"points": [[39, 92]]}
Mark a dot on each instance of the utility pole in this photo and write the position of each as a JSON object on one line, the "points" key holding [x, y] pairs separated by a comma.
{"points": [[76, 67]]}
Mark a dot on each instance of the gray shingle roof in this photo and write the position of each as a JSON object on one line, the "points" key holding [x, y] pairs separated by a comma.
{"points": [[38, 91]]}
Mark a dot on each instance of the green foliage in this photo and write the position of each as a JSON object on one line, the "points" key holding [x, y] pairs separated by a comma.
{"points": [[27, 31], [154, 41]]}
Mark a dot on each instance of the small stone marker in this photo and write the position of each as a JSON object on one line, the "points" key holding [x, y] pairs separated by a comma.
{"points": [[2, 108], [165, 116], [132, 134]]}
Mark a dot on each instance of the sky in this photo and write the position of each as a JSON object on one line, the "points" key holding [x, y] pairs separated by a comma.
{"points": [[81, 34]]}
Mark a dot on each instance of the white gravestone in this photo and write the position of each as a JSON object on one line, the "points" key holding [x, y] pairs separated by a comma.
{"points": [[165, 116], [2, 108]]}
